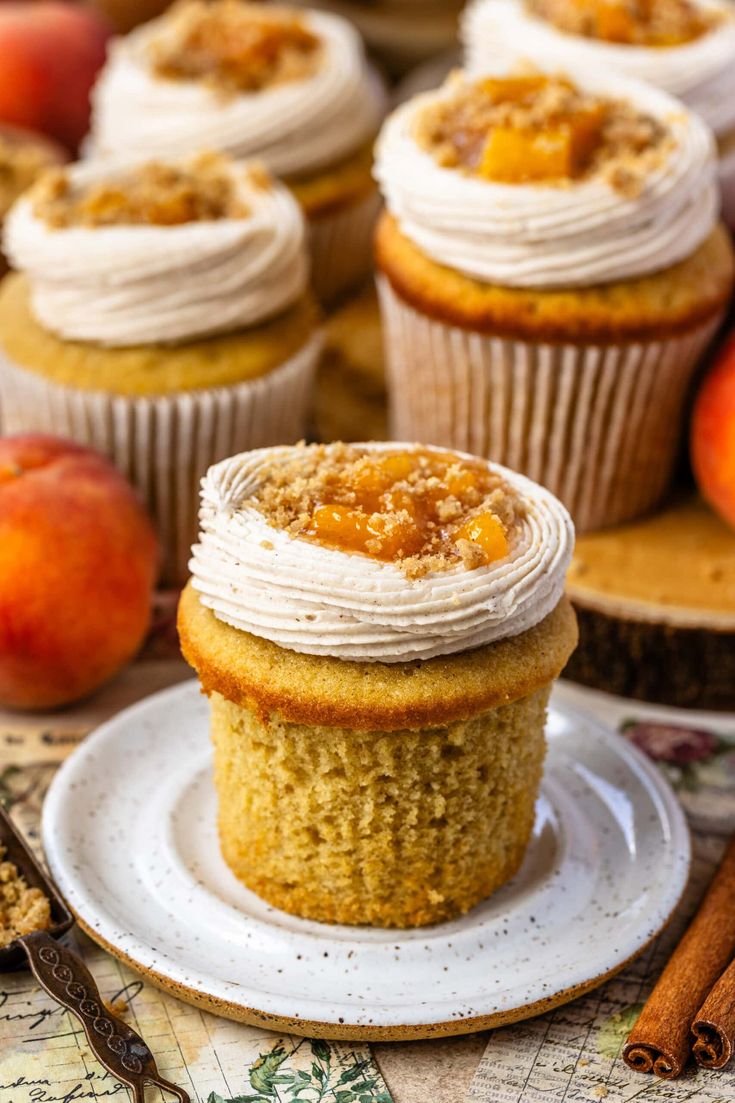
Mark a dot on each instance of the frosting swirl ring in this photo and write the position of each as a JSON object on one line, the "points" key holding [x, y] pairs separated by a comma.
{"points": [[322, 601], [296, 128], [147, 284], [537, 236]]}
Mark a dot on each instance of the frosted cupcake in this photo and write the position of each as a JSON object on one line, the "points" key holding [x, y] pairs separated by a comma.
{"points": [[290, 88], [685, 47], [377, 628], [551, 271], [160, 314]]}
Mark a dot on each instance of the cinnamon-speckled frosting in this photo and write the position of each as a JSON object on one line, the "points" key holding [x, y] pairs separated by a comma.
{"points": [[544, 236], [322, 601], [296, 128], [701, 73], [147, 284]]}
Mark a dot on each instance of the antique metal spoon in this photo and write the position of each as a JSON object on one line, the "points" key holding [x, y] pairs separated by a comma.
{"points": [[68, 981]]}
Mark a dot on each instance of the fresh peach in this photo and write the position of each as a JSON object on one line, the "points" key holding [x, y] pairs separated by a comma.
{"points": [[713, 434], [78, 560], [50, 53]]}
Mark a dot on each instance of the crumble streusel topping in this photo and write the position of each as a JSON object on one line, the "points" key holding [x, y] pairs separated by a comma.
{"points": [[537, 128], [21, 163], [629, 22], [425, 511], [235, 47], [22, 909], [153, 194]]}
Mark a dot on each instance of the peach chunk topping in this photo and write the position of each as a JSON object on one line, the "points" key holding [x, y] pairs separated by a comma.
{"points": [[536, 128], [235, 47], [423, 510]]}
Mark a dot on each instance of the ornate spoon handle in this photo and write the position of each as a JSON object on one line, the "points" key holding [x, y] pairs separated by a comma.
{"points": [[115, 1045]]}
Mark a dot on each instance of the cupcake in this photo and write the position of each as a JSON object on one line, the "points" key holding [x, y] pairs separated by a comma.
{"points": [[551, 270], [350, 400], [685, 47], [290, 88], [160, 314], [377, 628]]}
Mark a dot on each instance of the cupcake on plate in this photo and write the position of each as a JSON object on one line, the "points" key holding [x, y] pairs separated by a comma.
{"points": [[290, 88], [685, 47], [159, 313], [378, 628], [350, 399], [551, 270]]}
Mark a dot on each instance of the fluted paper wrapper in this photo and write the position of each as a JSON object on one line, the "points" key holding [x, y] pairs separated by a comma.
{"points": [[342, 247], [165, 444], [599, 425]]}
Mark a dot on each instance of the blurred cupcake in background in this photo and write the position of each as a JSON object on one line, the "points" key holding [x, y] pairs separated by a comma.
{"points": [[350, 399], [288, 87], [160, 314], [551, 271], [685, 47], [23, 157]]}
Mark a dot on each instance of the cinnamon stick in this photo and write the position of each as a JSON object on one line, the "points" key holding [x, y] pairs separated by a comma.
{"points": [[714, 1026], [660, 1041]]}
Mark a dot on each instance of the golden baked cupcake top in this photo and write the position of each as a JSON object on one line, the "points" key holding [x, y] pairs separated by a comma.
{"points": [[290, 87], [377, 552], [163, 252], [235, 47], [539, 127], [422, 510], [152, 194], [633, 22]]}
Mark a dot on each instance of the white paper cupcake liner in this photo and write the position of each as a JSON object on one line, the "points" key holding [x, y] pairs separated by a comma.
{"points": [[599, 425], [727, 188], [164, 444], [342, 247]]}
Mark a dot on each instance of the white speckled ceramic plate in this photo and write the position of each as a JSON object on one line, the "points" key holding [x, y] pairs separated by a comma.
{"points": [[129, 831]]}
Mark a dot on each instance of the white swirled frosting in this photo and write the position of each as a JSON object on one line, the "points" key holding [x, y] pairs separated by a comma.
{"points": [[541, 236], [148, 284], [322, 601], [700, 72], [295, 128]]}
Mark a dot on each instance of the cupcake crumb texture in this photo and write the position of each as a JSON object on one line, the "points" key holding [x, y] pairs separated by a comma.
{"points": [[630, 22], [22, 909], [154, 194], [425, 511], [536, 128], [235, 47]]}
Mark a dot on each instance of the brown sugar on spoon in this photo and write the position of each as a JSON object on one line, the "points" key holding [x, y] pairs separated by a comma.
{"points": [[660, 1041], [22, 909]]}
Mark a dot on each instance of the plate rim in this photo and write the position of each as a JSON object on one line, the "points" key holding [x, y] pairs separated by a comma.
{"points": [[342, 1030]]}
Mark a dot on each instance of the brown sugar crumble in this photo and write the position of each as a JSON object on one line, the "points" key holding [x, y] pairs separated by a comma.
{"points": [[629, 22], [22, 909], [21, 163], [153, 194], [235, 47], [533, 128], [424, 511]]}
